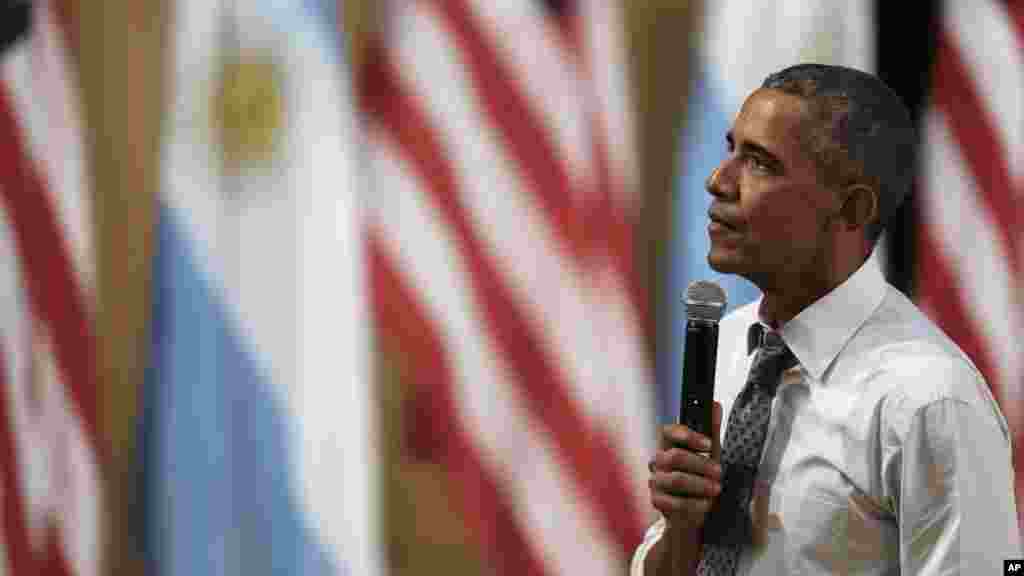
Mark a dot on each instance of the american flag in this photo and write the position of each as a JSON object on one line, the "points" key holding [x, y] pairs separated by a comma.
{"points": [[49, 474], [970, 267], [501, 165]]}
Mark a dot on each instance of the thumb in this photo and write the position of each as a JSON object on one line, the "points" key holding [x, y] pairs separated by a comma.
{"points": [[716, 427]]}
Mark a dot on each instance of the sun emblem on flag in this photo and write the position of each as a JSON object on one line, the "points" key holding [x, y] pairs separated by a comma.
{"points": [[247, 108]]}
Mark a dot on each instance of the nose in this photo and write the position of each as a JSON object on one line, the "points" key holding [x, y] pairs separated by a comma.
{"points": [[721, 183]]}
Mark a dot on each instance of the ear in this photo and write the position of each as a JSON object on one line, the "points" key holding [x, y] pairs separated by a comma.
{"points": [[860, 206]]}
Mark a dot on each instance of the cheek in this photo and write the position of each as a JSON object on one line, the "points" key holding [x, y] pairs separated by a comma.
{"points": [[780, 225], [768, 219]]}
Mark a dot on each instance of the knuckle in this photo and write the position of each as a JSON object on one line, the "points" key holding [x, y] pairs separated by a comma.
{"points": [[663, 459], [660, 503], [679, 459]]}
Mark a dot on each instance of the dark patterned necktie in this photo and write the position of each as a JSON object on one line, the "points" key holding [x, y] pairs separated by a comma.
{"points": [[728, 527]]}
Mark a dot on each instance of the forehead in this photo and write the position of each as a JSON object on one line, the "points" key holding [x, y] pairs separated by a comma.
{"points": [[772, 119]]}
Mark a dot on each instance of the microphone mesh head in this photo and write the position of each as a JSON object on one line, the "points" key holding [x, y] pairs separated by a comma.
{"points": [[705, 301]]}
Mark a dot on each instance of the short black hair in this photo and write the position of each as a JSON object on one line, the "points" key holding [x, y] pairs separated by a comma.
{"points": [[863, 132]]}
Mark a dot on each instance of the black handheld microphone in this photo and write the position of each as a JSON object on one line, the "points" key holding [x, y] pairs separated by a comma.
{"points": [[705, 304]]}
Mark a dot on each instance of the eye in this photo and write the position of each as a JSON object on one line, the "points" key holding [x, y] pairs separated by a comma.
{"points": [[758, 163]]}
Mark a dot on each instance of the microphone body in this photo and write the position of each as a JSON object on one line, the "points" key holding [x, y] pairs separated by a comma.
{"points": [[705, 304], [698, 386]]}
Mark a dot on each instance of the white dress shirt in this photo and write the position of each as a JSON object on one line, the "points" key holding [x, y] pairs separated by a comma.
{"points": [[885, 453]]}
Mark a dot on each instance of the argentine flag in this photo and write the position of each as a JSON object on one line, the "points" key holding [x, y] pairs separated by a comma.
{"points": [[258, 452], [739, 44]]}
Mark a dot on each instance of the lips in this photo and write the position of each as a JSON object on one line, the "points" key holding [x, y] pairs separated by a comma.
{"points": [[717, 219]]}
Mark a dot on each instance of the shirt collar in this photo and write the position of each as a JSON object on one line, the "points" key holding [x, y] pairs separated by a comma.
{"points": [[819, 332]]}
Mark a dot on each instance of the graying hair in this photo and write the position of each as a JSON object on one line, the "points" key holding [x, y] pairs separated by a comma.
{"points": [[861, 132]]}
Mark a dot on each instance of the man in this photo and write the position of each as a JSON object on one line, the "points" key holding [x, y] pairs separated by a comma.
{"points": [[878, 447]]}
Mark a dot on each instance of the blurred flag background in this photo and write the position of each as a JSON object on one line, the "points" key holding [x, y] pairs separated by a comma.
{"points": [[970, 270], [501, 159], [257, 450], [50, 491], [361, 287]]}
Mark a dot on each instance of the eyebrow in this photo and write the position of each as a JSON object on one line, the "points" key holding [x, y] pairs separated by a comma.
{"points": [[754, 147]]}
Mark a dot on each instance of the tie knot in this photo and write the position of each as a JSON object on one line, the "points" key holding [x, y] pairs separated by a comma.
{"points": [[773, 340], [773, 357]]}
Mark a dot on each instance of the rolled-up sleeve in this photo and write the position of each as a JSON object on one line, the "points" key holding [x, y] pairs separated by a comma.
{"points": [[650, 539], [957, 512]]}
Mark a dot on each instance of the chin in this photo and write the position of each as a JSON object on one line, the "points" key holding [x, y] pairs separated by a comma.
{"points": [[725, 262]]}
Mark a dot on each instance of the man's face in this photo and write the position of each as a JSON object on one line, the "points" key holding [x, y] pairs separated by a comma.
{"points": [[770, 212]]}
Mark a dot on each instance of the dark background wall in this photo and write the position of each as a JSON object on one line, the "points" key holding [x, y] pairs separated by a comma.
{"points": [[906, 48]]}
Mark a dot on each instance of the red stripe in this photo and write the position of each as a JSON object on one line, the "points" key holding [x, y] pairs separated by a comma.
{"points": [[1015, 9], [567, 22], [940, 292], [524, 136], [616, 229], [587, 451], [52, 286], [1018, 467], [486, 509], [972, 127], [611, 229], [19, 551], [55, 562]]}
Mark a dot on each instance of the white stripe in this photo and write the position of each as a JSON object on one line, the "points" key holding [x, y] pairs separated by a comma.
{"points": [[993, 53], [332, 397], [37, 76], [974, 255], [530, 46], [515, 451], [188, 152], [621, 368], [549, 285], [74, 499]]}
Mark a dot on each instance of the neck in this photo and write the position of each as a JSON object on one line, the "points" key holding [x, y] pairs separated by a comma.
{"points": [[790, 295], [780, 306]]}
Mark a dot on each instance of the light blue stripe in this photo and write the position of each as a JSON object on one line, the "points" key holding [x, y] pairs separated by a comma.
{"points": [[219, 480], [703, 147], [304, 25]]}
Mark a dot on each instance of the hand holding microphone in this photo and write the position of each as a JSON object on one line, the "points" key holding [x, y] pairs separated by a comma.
{"points": [[684, 479], [685, 472]]}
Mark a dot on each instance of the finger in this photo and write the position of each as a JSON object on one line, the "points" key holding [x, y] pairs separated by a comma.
{"points": [[716, 434], [684, 485], [679, 435], [693, 509], [680, 460]]}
